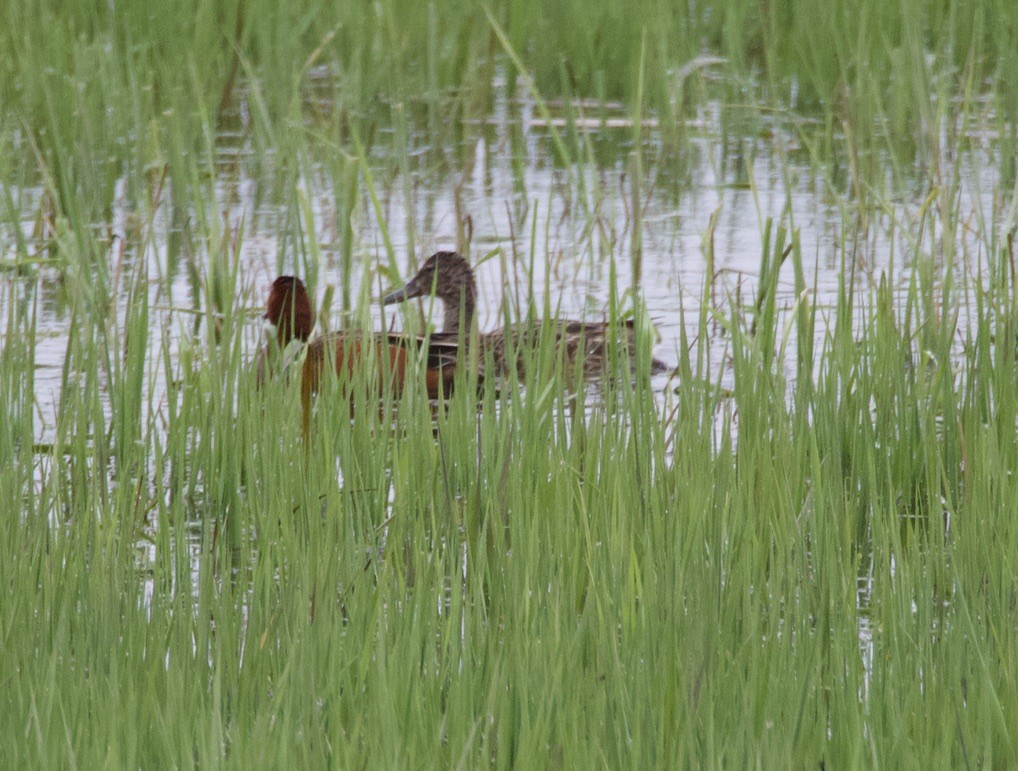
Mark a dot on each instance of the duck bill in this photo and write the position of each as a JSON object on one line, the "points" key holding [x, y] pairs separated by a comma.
{"points": [[397, 296]]}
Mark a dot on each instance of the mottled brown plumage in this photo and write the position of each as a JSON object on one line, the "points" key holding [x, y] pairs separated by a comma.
{"points": [[449, 277]]}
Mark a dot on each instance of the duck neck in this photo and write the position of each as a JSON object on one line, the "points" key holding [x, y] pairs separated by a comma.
{"points": [[296, 323], [461, 306]]}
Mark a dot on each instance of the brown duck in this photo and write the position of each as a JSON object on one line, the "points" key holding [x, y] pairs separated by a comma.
{"points": [[290, 311], [449, 277]]}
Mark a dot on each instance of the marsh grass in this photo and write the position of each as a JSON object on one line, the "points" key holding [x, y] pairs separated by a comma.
{"points": [[549, 579], [813, 566], [96, 94]]}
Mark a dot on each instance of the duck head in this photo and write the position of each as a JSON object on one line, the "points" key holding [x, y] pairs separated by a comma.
{"points": [[448, 277], [289, 310]]}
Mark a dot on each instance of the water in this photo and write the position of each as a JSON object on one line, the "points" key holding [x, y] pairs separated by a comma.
{"points": [[510, 195]]}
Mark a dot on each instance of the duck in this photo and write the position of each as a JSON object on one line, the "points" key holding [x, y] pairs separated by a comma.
{"points": [[290, 311], [450, 279]]}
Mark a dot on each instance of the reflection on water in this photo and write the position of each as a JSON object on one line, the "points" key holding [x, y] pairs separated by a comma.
{"points": [[501, 185]]}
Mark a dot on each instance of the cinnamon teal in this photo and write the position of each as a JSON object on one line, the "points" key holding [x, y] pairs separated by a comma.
{"points": [[449, 278], [291, 313]]}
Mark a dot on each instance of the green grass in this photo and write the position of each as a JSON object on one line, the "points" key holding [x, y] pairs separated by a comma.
{"points": [[95, 92], [539, 584], [803, 556]]}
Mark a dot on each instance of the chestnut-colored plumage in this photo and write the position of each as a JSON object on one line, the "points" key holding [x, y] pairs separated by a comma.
{"points": [[449, 277], [289, 309]]}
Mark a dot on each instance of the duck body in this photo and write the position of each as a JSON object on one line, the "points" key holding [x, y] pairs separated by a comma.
{"points": [[290, 311], [388, 354], [449, 278]]}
